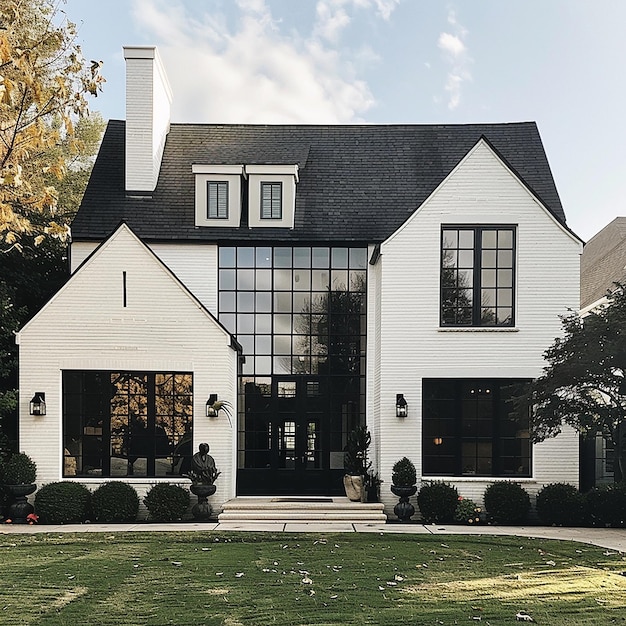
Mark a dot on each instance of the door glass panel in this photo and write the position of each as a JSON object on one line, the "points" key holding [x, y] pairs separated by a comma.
{"points": [[287, 444]]}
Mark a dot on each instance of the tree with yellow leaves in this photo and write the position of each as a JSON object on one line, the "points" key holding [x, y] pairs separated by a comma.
{"points": [[44, 86]]}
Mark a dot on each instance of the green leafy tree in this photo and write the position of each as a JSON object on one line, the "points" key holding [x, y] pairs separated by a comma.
{"points": [[584, 383], [44, 84], [33, 271]]}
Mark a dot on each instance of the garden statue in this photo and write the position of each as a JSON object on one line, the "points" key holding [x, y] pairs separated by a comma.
{"points": [[203, 473]]}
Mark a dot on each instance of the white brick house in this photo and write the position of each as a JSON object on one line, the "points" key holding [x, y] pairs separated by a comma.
{"points": [[350, 264]]}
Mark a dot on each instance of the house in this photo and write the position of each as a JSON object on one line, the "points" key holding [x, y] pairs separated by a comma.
{"points": [[316, 278], [602, 264]]}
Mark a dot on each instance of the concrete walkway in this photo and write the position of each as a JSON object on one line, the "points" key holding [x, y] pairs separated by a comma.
{"points": [[610, 538]]}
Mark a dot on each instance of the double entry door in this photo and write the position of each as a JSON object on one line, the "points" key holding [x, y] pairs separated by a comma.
{"points": [[296, 422]]}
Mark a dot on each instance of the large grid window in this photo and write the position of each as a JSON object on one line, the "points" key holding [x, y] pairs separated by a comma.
{"points": [[217, 200], [468, 429], [300, 314], [271, 201], [127, 423], [477, 275]]}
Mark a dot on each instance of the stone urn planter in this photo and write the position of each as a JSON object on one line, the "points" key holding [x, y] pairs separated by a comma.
{"points": [[403, 478], [404, 510], [202, 509], [353, 486]]}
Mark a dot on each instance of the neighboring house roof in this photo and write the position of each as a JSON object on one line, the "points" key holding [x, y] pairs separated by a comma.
{"points": [[603, 262], [356, 183]]}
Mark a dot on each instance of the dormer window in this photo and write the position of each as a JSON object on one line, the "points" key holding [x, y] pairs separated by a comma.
{"points": [[217, 199], [218, 194], [272, 195], [271, 201]]}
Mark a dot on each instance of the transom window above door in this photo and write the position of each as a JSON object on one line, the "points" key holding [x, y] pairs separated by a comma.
{"points": [[477, 275]]}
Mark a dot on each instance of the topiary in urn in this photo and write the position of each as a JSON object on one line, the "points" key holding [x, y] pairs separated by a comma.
{"points": [[403, 479], [19, 473]]}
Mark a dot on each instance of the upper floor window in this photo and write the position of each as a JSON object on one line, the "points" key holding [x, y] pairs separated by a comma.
{"points": [[271, 201], [477, 275], [217, 200]]}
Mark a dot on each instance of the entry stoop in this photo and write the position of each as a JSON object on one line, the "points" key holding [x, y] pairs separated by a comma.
{"points": [[305, 509]]}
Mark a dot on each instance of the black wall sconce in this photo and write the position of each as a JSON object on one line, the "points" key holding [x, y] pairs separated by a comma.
{"points": [[211, 411], [402, 408], [37, 405]]}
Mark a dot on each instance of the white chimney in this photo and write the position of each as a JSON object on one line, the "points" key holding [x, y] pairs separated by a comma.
{"points": [[148, 101]]}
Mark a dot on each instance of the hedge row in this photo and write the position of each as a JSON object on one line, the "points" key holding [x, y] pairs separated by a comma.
{"points": [[68, 502], [507, 502]]}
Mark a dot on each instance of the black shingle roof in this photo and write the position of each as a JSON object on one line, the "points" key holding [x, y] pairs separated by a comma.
{"points": [[357, 183]]}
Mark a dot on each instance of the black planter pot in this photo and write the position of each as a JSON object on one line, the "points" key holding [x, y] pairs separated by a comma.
{"points": [[404, 509], [21, 508], [202, 509]]}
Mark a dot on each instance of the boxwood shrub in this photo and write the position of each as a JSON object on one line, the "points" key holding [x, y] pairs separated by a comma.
{"points": [[605, 505], [560, 504], [63, 502], [166, 503], [115, 501], [507, 502], [437, 502]]}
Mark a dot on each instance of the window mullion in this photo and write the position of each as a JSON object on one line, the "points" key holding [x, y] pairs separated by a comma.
{"points": [[477, 291]]}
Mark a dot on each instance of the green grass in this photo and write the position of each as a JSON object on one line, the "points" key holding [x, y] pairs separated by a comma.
{"points": [[204, 578]]}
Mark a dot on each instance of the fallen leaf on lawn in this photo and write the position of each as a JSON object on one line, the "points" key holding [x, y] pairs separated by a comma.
{"points": [[238, 574], [311, 592], [334, 597], [219, 573], [391, 583], [177, 563], [306, 581], [381, 588], [550, 563], [398, 578], [522, 616]]}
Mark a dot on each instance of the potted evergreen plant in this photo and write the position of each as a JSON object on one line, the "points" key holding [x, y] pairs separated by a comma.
{"points": [[356, 464], [19, 473], [404, 479]]}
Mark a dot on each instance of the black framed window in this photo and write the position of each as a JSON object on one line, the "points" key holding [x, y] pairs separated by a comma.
{"points": [[217, 200], [477, 275], [271, 201], [468, 429], [127, 423]]}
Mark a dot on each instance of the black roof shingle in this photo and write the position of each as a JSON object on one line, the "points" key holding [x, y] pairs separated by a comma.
{"points": [[358, 183]]}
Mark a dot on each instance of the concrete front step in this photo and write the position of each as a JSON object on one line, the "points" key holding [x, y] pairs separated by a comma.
{"points": [[282, 509]]}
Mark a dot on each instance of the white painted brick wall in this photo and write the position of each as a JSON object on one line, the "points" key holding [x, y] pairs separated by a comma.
{"points": [[480, 191]]}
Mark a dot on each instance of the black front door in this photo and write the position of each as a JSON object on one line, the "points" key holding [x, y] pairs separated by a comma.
{"points": [[288, 441]]}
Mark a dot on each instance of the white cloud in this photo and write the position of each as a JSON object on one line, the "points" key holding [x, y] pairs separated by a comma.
{"points": [[457, 57], [248, 70]]}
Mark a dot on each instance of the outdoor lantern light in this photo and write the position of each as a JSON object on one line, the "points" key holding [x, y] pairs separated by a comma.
{"points": [[402, 408], [38, 404], [211, 411], [438, 441]]}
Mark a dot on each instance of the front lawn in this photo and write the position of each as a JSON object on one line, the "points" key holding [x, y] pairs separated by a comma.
{"points": [[262, 579]]}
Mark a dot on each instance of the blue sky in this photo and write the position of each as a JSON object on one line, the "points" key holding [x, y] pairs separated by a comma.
{"points": [[560, 63]]}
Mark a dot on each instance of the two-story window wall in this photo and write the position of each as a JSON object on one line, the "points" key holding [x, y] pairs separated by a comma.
{"points": [[299, 314]]}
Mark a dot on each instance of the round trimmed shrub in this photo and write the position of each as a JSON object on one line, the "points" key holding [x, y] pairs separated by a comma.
{"points": [[19, 469], [403, 473], [63, 502], [115, 502], [507, 502], [605, 505], [166, 503], [437, 502], [560, 504]]}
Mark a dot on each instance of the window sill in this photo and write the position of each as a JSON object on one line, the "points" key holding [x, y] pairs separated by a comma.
{"points": [[480, 479], [478, 329]]}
